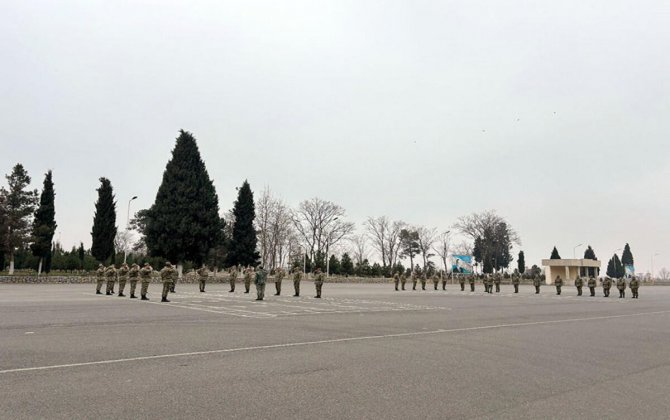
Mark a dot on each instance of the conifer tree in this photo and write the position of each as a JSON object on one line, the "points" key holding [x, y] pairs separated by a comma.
{"points": [[242, 247], [554, 254], [104, 223], [590, 254], [44, 222], [347, 265], [521, 262], [18, 205], [184, 223], [627, 256]]}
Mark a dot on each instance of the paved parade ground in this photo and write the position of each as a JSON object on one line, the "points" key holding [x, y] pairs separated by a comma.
{"points": [[363, 351]]}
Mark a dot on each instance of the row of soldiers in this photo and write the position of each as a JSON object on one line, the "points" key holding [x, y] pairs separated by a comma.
{"points": [[400, 280], [169, 276]]}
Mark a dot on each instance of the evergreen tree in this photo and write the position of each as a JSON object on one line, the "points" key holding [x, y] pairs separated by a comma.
{"points": [[242, 248], [477, 249], [347, 265], [334, 265], [627, 256], [554, 254], [590, 254], [81, 254], [44, 222], [614, 267], [183, 224], [18, 205], [409, 245], [104, 223], [521, 262]]}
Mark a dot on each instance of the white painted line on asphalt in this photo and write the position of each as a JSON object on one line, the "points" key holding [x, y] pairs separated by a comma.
{"points": [[330, 341]]}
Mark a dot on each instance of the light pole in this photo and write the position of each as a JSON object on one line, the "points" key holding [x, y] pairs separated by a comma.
{"points": [[125, 247], [574, 251], [328, 251], [652, 266]]}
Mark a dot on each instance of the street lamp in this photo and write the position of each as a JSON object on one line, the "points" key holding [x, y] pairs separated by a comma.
{"points": [[125, 248], [328, 251], [574, 251]]}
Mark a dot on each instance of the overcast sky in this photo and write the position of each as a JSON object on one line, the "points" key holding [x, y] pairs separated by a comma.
{"points": [[556, 114]]}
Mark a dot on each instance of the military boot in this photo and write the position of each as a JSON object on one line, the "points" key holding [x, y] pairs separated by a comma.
{"points": [[133, 297], [144, 297], [164, 300]]}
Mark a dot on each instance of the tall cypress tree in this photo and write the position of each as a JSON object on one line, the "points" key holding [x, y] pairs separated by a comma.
{"points": [[184, 223], [243, 243], [104, 223], [590, 254], [522, 262], [44, 222], [554, 254], [627, 256]]}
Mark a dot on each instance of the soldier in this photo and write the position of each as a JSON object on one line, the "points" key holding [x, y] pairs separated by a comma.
{"points": [[592, 286], [485, 280], [497, 280], [279, 276], [471, 279], [174, 280], [169, 276], [579, 283], [461, 281], [607, 284], [558, 283], [110, 273], [515, 282], [318, 282], [403, 280], [133, 275], [145, 276], [260, 280], [536, 283], [414, 280], [444, 280], [297, 276], [621, 285], [396, 280], [232, 278], [100, 278], [123, 278], [423, 281], [203, 273], [248, 273], [634, 285], [436, 280]]}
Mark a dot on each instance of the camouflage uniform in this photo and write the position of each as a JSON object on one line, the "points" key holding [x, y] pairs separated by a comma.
{"points": [[318, 282], [403, 280], [145, 275], [248, 272], [169, 276], [297, 276], [110, 273], [444, 281], [233, 278], [123, 278], [515, 282], [203, 273], [414, 280], [461, 281], [133, 275], [621, 285], [537, 282], [607, 285], [436, 280], [260, 280], [592, 285], [472, 279], [100, 278], [558, 283], [396, 280], [423, 281], [174, 280], [489, 284], [279, 276], [634, 286], [579, 283], [497, 280]]}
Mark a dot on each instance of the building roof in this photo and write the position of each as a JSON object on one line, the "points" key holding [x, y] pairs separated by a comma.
{"points": [[571, 263]]}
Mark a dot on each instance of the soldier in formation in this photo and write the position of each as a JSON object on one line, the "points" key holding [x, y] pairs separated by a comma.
{"points": [[621, 285], [444, 281], [558, 283], [496, 280], [414, 280], [248, 273], [634, 286], [396, 280], [202, 273], [173, 284], [133, 276], [403, 280], [232, 278], [168, 276], [318, 282], [436, 280], [297, 276], [607, 285], [461, 281], [279, 276], [260, 280], [123, 278], [423, 281], [100, 278], [592, 286], [145, 276], [536, 283], [110, 274], [471, 279], [579, 283], [489, 284], [515, 282]]}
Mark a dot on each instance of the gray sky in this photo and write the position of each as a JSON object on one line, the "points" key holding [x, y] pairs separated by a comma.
{"points": [[553, 113]]}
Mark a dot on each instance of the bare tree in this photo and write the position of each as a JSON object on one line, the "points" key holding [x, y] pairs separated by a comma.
{"points": [[264, 204], [385, 237], [477, 225], [441, 247], [320, 224], [463, 248], [274, 226], [664, 274], [426, 240], [360, 251]]}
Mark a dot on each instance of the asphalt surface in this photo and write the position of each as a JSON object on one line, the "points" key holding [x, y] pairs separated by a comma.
{"points": [[361, 352]]}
